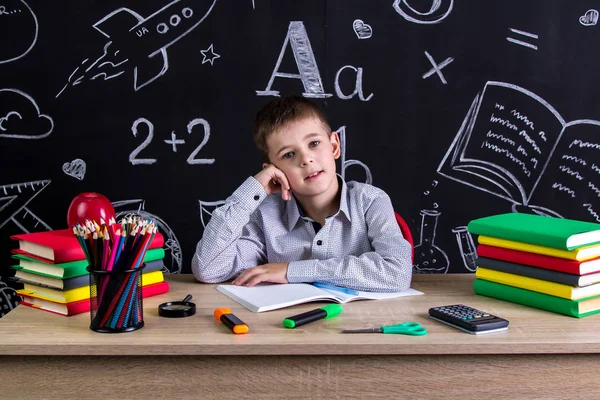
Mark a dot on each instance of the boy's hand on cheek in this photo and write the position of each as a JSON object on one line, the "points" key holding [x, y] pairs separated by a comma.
{"points": [[274, 180], [273, 273]]}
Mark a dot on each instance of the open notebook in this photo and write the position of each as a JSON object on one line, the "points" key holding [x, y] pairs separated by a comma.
{"points": [[267, 297]]}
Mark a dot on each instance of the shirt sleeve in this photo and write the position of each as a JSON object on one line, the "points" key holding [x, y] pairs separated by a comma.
{"points": [[233, 239], [388, 268]]}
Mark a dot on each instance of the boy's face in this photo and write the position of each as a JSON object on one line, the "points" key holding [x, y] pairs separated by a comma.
{"points": [[306, 152]]}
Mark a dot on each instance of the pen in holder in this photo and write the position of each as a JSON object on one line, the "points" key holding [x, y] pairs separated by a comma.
{"points": [[114, 253]]}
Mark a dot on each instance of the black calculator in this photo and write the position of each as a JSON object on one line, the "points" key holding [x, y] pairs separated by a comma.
{"points": [[468, 319]]}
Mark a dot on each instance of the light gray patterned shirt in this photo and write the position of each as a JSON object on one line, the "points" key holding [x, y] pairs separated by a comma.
{"points": [[360, 246]]}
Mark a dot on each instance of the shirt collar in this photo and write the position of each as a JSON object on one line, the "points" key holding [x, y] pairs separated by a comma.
{"points": [[293, 208]]}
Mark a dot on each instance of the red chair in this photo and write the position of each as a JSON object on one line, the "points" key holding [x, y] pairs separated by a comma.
{"points": [[406, 233]]}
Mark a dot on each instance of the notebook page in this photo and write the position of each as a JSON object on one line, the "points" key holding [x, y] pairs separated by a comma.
{"points": [[266, 297]]}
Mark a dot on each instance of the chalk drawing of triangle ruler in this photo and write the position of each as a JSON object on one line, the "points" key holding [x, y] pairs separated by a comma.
{"points": [[13, 205]]}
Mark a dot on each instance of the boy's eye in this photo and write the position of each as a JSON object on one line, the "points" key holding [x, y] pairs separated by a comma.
{"points": [[288, 155], [314, 143]]}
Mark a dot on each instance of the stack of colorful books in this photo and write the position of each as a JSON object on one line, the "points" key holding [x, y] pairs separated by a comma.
{"points": [[539, 261], [52, 268]]}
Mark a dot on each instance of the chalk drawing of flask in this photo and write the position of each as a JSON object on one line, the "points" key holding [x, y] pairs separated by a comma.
{"points": [[428, 257], [467, 247]]}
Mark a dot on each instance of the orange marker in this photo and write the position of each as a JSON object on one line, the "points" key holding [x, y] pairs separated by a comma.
{"points": [[231, 321]]}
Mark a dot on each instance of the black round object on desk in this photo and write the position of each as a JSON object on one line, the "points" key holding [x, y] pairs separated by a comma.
{"points": [[177, 309]]}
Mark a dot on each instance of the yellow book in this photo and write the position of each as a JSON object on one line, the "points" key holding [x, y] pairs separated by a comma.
{"points": [[538, 285], [68, 296], [580, 254]]}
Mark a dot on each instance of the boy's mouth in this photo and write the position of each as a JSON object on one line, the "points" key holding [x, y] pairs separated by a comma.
{"points": [[313, 176]]}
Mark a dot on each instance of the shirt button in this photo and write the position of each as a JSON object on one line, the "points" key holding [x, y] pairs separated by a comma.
{"points": [[256, 197], [319, 242]]}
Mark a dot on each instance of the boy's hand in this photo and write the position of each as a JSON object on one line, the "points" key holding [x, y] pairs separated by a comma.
{"points": [[274, 273], [274, 180]]}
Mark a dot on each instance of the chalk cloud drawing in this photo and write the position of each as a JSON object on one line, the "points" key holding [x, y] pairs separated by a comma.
{"points": [[429, 258], [514, 145], [14, 199], [8, 299], [125, 208], [437, 68], [439, 10], [18, 30], [361, 29], [21, 118], [466, 247], [590, 18], [209, 55], [75, 168], [143, 42], [520, 42]]}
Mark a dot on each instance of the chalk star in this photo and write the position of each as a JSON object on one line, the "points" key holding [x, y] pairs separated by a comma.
{"points": [[209, 58]]}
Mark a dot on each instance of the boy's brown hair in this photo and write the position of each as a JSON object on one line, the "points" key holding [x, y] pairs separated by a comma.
{"points": [[280, 112]]}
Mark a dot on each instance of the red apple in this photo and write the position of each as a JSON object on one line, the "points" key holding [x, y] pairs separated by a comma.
{"points": [[90, 205]]}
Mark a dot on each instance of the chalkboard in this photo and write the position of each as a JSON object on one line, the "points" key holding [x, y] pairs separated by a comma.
{"points": [[457, 109]]}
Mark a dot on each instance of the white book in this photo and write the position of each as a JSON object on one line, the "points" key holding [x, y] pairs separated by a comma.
{"points": [[267, 297]]}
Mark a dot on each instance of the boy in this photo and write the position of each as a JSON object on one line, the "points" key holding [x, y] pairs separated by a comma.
{"points": [[297, 220]]}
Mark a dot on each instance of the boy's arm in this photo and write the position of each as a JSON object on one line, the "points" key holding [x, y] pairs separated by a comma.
{"points": [[388, 268], [232, 241]]}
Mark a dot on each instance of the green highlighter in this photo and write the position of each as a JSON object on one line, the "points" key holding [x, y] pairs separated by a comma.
{"points": [[325, 312]]}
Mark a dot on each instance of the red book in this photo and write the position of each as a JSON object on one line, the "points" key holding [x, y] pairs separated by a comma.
{"points": [[539, 260], [81, 306], [60, 246]]}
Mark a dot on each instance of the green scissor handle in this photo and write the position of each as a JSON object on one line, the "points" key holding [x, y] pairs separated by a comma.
{"points": [[405, 328]]}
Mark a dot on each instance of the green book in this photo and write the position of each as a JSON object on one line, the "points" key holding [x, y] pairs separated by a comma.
{"points": [[558, 233], [70, 269], [154, 254], [574, 308], [60, 271]]}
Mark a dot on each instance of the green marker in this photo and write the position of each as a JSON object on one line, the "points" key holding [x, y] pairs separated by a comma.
{"points": [[328, 311]]}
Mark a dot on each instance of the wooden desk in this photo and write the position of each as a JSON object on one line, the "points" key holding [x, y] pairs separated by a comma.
{"points": [[542, 355]]}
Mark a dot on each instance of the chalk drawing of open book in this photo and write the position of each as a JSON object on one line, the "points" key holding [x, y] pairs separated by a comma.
{"points": [[515, 145]]}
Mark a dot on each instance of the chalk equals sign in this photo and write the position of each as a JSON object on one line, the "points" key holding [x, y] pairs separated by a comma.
{"points": [[520, 42]]}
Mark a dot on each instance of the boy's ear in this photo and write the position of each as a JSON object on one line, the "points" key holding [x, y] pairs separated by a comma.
{"points": [[335, 143]]}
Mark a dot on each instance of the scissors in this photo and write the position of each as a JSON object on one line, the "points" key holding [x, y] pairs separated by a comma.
{"points": [[405, 328]]}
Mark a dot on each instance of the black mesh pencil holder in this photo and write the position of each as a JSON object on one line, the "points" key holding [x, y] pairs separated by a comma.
{"points": [[116, 300]]}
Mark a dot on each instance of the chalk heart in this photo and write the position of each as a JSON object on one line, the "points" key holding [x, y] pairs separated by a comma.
{"points": [[362, 30], [75, 168], [589, 18]]}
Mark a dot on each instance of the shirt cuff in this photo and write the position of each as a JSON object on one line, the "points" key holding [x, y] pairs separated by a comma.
{"points": [[250, 194], [302, 271]]}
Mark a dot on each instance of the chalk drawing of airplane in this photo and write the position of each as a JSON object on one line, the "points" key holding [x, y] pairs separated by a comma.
{"points": [[145, 40]]}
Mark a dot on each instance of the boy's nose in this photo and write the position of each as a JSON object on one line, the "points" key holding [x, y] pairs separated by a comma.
{"points": [[306, 161], [305, 158]]}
